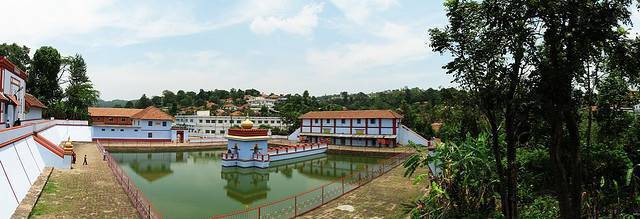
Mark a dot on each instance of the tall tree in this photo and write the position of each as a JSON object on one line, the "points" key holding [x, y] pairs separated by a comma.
{"points": [[80, 92], [492, 45], [43, 81], [143, 102], [572, 29]]}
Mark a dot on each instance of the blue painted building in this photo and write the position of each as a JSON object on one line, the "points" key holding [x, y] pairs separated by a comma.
{"points": [[119, 124]]}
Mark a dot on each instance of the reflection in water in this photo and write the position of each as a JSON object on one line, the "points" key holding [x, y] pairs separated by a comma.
{"points": [[248, 185], [187, 184]]}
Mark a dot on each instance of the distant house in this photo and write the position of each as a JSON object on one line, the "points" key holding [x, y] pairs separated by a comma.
{"points": [[120, 124], [33, 108]]}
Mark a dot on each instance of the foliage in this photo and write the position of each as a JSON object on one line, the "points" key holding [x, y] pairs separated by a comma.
{"points": [[462, 182], [542, 207], [43, 81], [80, 92]]}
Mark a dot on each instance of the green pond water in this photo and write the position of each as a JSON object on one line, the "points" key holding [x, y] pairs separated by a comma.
{"points": [[195, 185]]}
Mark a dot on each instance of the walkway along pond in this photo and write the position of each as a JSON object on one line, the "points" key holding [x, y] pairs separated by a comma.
{"points": [[193, 184]]}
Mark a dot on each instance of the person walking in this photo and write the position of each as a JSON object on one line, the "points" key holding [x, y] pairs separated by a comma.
{"points": [[85, 160]]}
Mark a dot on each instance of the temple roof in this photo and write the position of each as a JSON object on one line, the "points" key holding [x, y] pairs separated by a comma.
{"points": [[352, 114], [151, 113], [32, 101]]}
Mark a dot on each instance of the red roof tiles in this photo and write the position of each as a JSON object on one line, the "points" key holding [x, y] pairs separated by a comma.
{"points": [[32, 101], [352, 114], [151, 113]]}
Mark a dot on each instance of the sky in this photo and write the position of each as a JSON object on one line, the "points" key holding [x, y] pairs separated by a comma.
{"points": [[276, 46]]}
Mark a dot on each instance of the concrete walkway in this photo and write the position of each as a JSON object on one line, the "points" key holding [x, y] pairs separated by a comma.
{"points": [[380, 198], [89, 191]]}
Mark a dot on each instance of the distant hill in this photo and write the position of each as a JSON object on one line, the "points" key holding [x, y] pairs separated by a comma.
{"points": [[112, 103]]}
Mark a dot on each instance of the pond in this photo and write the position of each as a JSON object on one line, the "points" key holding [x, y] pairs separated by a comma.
{"points": [[195, 185]]}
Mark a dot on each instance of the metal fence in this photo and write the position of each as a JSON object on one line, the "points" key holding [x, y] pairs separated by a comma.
{"points": [[301, 203], [130, 143], [139, 201]]}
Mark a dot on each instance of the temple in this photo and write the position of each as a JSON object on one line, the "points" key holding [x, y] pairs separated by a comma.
{"points": [[248, 147]]}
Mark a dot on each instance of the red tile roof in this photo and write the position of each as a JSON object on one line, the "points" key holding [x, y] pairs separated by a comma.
{"points": [[152, 113], [115, 112], [32, 101], [352, 114], [6, 64], [13, 99]]}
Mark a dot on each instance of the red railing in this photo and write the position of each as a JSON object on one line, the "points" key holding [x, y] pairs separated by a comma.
{"points": [[304, 202], [139, 201]]}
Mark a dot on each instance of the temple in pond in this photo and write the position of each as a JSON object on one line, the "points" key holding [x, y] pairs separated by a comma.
{"points": [[248, 147]]}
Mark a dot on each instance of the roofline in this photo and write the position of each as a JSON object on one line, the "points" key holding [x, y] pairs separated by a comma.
{"points": [[6, 64], [305, 116]]}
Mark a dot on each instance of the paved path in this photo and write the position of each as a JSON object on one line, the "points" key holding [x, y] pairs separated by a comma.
{"points": [[85, 191], [380, 198]]}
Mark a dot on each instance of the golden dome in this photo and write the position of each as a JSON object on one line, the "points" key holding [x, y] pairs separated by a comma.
{"points": [[246, 124]]}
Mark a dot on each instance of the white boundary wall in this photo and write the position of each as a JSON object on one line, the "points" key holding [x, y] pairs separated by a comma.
{"points": [[22, 161]]}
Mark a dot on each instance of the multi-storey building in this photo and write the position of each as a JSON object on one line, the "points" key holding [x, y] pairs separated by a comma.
{"points": [[355, 127], [12, 95], [204, 125], [119, 124]]}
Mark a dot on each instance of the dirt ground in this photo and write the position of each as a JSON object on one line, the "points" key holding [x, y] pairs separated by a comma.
{"points": [[86, 191], [380, 198]]}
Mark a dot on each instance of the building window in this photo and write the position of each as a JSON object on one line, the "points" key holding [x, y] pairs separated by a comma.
{"points": [[259, 122], [231, 121], [213, 121], [110, 119], [219, 121], [238, 121], [207, 121], [278, 121], [200, 121], [103, 130], [358, 121], [328, 121], [190, 120], [221, 131], [273, 121], [122, 130], [150, 123], [343, 121], [315, 121], [373, 121], [113, 130], [207, 131], [149, 135], [135, 130], [122, 119], [164, 124]]}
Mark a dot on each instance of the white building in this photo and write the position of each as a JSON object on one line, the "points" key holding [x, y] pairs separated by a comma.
{"points": [[204, 125], [256, 103], [148, 125]]}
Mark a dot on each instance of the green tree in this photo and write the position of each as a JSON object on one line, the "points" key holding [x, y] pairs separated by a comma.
{"points": [[143, 102], [43, 81], [80, 93], [491, 44], [129, 104], [572, 30], [18, 55]]}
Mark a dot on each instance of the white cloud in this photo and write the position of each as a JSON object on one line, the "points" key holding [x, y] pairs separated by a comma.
{"points": [[397, 45], [118, 22], [303, 23], [359, 10]]}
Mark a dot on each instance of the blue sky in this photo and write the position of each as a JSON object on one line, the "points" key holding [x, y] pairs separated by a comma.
{"points": [[279, 46]]}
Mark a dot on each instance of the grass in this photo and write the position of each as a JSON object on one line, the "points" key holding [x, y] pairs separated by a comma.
{"points": [[41, 208]]}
